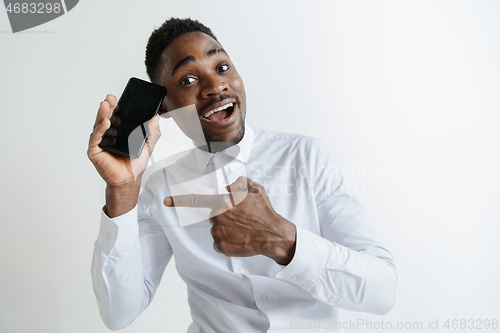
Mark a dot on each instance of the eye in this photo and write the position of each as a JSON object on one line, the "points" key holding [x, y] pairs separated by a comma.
{"points": [[187, 81], [223, 68]]}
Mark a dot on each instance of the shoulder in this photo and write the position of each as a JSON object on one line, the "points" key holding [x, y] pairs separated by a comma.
{"points": [[299, 147], [270, 138]]}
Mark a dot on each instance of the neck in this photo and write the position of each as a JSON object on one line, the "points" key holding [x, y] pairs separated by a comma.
{"points": [[215, 147]]}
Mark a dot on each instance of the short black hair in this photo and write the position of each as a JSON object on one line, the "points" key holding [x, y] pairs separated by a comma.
{"points": [[161, 37]]}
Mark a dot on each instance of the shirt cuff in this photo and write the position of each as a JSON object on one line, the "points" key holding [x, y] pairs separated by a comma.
{"points": [[120, 231], [311, 255]]}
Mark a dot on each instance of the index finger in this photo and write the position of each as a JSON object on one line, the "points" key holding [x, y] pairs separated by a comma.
{"points": [[106, 108], [197, 200]]}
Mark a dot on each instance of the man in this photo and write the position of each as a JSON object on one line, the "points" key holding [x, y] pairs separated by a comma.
{"points": [[284, 248]]}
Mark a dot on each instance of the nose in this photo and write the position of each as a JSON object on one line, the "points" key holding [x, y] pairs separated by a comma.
{"points": [[214, 86]]}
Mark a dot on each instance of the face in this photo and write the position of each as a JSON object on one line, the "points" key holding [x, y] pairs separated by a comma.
{"points": [[196, 70]]}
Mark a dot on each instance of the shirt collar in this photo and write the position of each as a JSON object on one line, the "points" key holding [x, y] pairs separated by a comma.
{"points": [[241, 150]]}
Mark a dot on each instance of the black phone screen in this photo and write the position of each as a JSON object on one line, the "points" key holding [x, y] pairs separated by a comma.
{"points": [[139, 102]]}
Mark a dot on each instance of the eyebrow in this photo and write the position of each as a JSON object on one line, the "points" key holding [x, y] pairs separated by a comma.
{"points": [[189, 59], [215, 51]]}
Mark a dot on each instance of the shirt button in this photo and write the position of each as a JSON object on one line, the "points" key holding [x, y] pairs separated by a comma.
{"points": [[293, 277], [331, 299], [263, 298], [222, 182], [241, 270], [111, 236]]}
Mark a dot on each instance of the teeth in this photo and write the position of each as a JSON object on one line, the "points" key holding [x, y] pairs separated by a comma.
{"points": [[218, 109]]}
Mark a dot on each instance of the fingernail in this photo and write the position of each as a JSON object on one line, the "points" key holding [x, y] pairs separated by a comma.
{"points": [[167, 201]]}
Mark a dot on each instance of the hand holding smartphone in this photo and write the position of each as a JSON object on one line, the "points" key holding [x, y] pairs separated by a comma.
{"points": [[139, 102]]}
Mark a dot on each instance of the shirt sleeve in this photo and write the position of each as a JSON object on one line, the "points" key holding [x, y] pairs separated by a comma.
{"points": [[346, 265], [130, 255]]}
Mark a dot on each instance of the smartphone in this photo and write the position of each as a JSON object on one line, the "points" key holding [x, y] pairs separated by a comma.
{"points": [[139, 102]]}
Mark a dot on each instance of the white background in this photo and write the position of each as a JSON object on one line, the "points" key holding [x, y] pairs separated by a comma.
{"points": [[410, 88]]}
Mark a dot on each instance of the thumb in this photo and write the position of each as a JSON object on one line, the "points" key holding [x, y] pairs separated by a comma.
{"points": [[140, 164], [154, 132]]}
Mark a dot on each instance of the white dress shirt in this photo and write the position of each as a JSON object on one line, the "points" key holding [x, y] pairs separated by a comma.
{"points": [[339, 262]]}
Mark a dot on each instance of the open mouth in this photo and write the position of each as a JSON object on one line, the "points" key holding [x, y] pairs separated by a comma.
{"points": [[223, 112]]}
